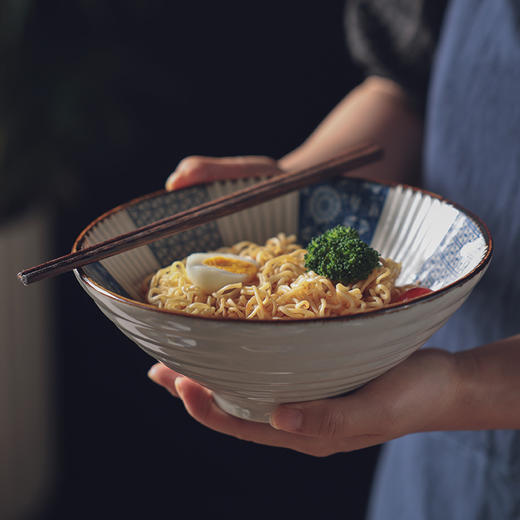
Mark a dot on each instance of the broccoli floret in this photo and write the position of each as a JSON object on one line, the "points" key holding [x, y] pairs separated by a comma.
{"points": [[340, 255]]}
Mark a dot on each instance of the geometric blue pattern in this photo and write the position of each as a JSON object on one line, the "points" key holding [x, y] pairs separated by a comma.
{"points": [[447, 263], [202, 238], [350, 202], [102, 277]]}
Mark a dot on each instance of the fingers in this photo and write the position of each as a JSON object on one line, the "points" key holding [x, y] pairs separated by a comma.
{"points": [[164, 377], [197, 169], [318, 428], [200, 405]]}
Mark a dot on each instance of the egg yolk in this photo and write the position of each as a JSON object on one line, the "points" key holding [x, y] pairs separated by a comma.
{"points": [[232, 265]]}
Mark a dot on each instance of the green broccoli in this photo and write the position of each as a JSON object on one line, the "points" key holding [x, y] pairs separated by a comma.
{"points": [[340, 255]]}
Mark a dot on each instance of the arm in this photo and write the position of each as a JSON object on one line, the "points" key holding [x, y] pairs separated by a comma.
{"points": [[489, 386], [432, 390], [376, 111]]}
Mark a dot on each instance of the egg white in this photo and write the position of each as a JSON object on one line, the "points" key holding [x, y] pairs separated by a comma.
{"points": [[210, 278]]}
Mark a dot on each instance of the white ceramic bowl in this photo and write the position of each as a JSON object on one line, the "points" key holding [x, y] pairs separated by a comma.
{"points": [[252, 366]]}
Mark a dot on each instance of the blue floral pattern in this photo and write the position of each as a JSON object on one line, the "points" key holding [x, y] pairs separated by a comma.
{"points": [[343, 201]]}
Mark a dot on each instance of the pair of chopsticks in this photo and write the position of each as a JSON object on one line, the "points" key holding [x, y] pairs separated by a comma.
{"points": [[261, 192]]}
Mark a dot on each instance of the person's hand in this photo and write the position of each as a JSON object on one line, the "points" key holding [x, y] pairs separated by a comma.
{"points": [[420, 394], [197, 169]]}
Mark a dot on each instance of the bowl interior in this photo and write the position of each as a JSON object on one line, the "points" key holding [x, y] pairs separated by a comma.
{"points": [[437, 242]]}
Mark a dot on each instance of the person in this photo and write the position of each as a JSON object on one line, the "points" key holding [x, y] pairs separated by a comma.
{"points": [[441, 97]]}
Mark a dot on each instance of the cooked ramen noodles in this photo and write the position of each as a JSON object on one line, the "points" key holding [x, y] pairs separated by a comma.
{"points": [[278, 286]]}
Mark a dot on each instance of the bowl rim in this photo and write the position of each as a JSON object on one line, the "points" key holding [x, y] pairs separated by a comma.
{"points": [[391, 308]]}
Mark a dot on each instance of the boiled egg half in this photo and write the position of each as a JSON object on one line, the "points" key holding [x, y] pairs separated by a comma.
{"points": [[212, 271]]}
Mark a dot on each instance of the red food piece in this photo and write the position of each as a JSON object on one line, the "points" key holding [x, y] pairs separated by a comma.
{"points": [[415, 292]]}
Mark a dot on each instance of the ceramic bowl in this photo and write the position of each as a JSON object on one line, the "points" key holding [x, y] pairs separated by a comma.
{"points": [[251, 366]]}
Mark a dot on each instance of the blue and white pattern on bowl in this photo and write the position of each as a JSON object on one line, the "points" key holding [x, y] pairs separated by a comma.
{"points": [[251, 366], [435, 241], [344, 201]]}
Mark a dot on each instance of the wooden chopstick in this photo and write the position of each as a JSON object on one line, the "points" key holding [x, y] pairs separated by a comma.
{"points": [[261, 192]]}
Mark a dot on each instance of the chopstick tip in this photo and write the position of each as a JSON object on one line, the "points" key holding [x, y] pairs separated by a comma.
{"points": [[23, 278]]}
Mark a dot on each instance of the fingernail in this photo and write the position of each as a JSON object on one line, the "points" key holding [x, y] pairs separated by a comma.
{"points": [[177, 385], [170, 181], [287, 418], [152, 373]]}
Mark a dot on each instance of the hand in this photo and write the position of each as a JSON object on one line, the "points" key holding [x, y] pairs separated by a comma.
{"points": [[197, 169], [420, 394]]}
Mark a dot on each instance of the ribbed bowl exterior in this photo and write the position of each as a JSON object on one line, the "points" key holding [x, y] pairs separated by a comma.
{"points": [[251, 367]]}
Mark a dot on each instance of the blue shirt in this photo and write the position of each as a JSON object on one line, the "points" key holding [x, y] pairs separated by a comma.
{"points": [[472, 156]]}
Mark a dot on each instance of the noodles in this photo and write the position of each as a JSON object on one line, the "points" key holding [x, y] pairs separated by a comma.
{"points": [[283, 288]]}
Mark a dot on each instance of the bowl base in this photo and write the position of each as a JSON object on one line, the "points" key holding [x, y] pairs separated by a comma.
{"points": [[245, 408]]}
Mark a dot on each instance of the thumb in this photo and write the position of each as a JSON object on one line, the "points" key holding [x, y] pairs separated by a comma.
{"points": [[198, 170], [339, 417]]}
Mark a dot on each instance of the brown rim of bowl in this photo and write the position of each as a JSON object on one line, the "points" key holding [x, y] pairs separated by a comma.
{"points": [[393, 307]]}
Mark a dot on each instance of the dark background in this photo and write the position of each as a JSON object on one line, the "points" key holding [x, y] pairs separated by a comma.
{"points": [[103, 99]]}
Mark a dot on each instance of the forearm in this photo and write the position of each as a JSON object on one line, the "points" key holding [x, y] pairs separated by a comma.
{"points": [[489, 387], [377, 111]]}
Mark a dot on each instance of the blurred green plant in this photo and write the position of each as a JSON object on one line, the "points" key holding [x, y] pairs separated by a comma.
{"points": [[64, 118], [86, 86], [12, 16], [30, 171]]}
